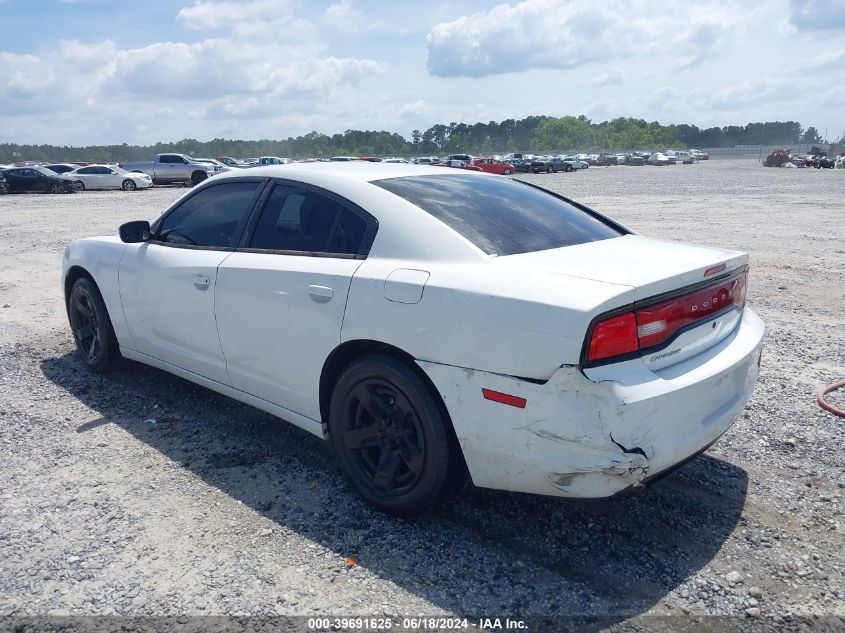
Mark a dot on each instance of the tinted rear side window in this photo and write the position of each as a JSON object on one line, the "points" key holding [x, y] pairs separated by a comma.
{"points": [[499, 215]]}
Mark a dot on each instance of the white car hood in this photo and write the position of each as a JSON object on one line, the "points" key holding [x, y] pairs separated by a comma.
{"points": [[650, 266]]}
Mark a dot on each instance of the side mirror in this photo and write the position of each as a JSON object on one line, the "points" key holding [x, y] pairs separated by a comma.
{"points": [[133, 232]]}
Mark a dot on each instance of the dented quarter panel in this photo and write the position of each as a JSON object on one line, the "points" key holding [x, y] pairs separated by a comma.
{"points": [[595, 433]]}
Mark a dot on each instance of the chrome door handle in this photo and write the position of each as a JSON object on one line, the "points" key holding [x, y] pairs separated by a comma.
{"points": [[202, 281], [323, 292]]}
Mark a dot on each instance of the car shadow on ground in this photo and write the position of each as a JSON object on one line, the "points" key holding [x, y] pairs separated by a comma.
{"points": [[487, 552]]}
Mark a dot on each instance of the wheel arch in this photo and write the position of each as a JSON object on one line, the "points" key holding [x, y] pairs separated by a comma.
{"points": [[74, 273], [348, 351]]}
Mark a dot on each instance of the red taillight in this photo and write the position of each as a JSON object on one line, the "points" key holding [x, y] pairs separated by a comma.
{"points": [[613, 337], [654, 324], [659, 322]]}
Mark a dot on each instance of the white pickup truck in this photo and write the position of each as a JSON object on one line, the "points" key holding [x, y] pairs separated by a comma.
{"points": [[173, 168]]}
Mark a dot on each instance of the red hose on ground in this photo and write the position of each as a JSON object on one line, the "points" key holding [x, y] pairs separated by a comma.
{"points": [[824, 404]]}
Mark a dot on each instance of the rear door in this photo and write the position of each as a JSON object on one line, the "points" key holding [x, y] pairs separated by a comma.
{"points": [[167, 284], [280, 299], [88, 177]]}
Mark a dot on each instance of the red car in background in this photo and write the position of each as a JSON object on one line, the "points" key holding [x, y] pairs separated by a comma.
{"points": [[493, 166]]}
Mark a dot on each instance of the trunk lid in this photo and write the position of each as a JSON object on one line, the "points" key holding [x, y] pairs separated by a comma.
{"points": [[650, 266]]}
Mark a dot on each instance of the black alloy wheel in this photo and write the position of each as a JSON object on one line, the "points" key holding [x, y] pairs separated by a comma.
{"points": [[391, 436], [92, 328]]}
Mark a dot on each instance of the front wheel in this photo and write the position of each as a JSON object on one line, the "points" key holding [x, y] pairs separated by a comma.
{"points": [[56, 188], [129, 185], [198, 176], [549, 169], [391, 436], [92, 329]]}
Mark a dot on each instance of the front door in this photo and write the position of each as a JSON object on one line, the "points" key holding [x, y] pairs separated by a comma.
{"points": [[167, 285]]}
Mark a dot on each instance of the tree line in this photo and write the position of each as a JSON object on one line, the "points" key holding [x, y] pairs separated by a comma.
{"points": [[533, 133]]}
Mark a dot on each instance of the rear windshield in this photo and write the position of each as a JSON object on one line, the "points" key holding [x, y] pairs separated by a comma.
{"points": [[499, 215]]}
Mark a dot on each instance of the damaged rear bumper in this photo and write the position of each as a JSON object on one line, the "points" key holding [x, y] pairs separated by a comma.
{"points": [[597, 432]]}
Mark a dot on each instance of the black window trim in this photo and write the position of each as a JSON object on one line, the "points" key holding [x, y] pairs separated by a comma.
{"points": [[252, 223], [239, 230], [624, 230]]}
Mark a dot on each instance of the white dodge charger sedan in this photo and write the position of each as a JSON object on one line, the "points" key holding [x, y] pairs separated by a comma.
{"points": [[431, 323]]}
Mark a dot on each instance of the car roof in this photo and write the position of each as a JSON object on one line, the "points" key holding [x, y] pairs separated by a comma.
{"points": [[358, 171]]}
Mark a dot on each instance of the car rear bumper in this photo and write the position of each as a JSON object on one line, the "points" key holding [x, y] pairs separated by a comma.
{"points": [[598, 432]]}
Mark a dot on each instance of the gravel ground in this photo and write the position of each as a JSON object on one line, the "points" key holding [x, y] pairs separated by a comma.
{"points": [[217, 508]]}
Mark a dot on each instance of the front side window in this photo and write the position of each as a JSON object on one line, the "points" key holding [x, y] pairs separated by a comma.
{"points": [[298, 220], [499, 215], [211, 217]]}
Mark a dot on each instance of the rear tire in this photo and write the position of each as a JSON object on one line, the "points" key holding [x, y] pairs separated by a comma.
{"points": [[391, 437], [198, 176], [56, 188], [507, 172], [549, 169], [91, 326]]}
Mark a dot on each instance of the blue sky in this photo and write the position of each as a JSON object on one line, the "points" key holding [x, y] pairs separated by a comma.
{"points": [[99, 71]]}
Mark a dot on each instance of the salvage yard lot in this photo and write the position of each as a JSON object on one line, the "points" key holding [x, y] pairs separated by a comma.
{"points": [[140, 493]]}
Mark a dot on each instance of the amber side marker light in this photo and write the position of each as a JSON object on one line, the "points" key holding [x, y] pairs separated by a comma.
{"points": [[504, 398]]}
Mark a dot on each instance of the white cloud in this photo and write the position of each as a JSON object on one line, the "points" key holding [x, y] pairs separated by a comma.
{"points": [[818, 15], [250, 20], [750, 92], [559, 34], [343, 16], [416, 109], [155, 89], [829, 60], [611, 77]]}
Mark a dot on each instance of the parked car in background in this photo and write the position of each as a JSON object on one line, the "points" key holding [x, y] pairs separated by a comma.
{"points": [[343, 159], [699, 155], [271, 160], [230, 162], [425, 160], [464, 157], [633, 160], [429, 323], [172, 168], [111, 177], [39, 180], [457, 164], [61, 168], [550, 165], [521, 165], [219, 166], [576, 162], [493, 166], [395, 160]]}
